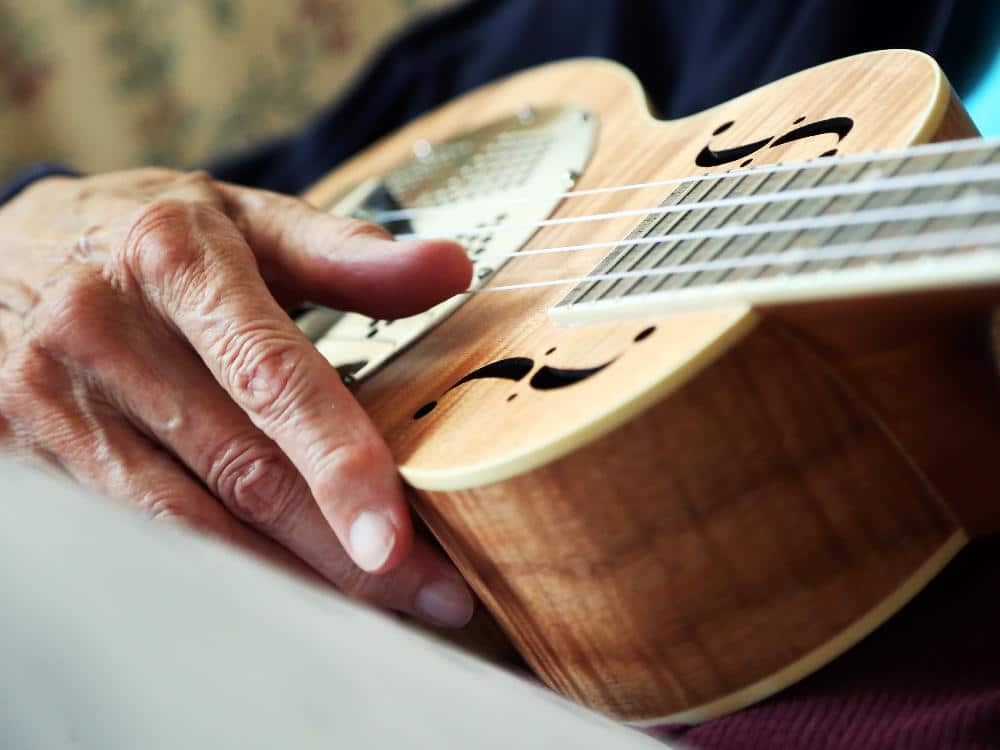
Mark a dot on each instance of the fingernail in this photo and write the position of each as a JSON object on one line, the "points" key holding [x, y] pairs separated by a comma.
{"points": [[445, 602], [372, 539]]}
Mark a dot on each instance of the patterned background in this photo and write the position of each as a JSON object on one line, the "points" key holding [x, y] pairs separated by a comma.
{"points": [[107, 84]]}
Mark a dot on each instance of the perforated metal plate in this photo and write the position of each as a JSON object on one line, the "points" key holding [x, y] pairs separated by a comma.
{"points": [[508, 173]]}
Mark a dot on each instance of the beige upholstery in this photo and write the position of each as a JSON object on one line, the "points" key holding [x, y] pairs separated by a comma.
{"points": [[107, 84]]}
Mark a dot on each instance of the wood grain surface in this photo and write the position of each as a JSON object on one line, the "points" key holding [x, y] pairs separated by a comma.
{"points": [[739, 495]]}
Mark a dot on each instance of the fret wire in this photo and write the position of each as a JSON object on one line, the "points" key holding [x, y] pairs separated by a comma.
{"points": [[942, 210], [972, 174], [822, 236], [948, 147], [697, 245], [706, 241], [926, 243], [903, 167], [747, 250], [739, 243], [802, 234], [784, 213], [614, 259], [866, 232], [847, 262], [962, 158], [657, 284], [917, 229], [871, 232], [861, 207], [643, 230], [605, 290], [937, 162], [661, 252], [918, 226], [975, 224]]}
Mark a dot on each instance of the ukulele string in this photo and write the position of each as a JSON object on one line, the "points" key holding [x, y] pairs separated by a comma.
{"points": [[928, 149], [965, 175], [937, 242], [971, 204], [967, 204]]}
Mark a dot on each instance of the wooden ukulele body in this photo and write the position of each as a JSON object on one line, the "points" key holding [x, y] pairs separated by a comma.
{"points": [[735, 496]]}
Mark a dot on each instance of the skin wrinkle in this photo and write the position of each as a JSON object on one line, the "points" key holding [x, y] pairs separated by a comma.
{"points": [[267, 492], [121, 293], [161, 415], [269, 379], [92, 246], [101, 444], [205, 299], [158, 249], [17, 297], [52, 422]]}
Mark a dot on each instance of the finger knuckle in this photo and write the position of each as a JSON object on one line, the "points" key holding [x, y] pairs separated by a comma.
{"points": [[258, 486], [200, 177], [49, 410], [139, 183], [147, 176], [199, 187], [348, 465], [161, 499], [72, 318], [266, 373], [358, 585], [164, 505], [354, 229], [160, 245], [30, 378]]}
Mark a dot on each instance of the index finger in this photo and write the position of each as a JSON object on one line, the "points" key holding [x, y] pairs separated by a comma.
{"points": [[197, 270], [344, 263]]}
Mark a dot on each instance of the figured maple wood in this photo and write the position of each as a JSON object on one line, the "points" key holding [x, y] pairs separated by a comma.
{"points": [[725, 532], [703, 521], [955, 124]]}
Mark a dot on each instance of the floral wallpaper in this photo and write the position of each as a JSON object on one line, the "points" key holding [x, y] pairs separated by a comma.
{"points": [[107, 84]]}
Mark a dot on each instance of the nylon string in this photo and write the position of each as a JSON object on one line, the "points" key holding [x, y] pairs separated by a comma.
{"points": [[928, 243], [965, 175], [947, 147]]}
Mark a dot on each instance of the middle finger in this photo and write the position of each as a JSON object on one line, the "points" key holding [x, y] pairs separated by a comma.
{"points": [[195, 269], [157, 381]]}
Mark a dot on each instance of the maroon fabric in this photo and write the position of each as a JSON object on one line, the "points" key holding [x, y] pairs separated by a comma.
{"points": [[929, 678]]}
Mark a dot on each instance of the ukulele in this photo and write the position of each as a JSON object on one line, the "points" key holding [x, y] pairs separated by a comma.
{"points": [[722, 397]]}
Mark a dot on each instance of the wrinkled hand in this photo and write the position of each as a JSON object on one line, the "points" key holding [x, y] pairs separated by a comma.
{"points": [[145, 349]]}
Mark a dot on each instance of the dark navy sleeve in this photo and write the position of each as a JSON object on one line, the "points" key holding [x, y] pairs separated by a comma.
{"points": [[689, 56], [30, 175]]}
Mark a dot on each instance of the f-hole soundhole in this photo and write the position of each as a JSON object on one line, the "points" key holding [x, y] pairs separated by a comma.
{"points": [[644, 334], [424, 410], [547, 378]]}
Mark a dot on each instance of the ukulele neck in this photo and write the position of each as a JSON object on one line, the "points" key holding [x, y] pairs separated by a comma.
{"points": [[927, 218]]}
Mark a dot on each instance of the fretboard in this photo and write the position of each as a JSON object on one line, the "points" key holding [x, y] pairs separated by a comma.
{"points": [[926, 217]]}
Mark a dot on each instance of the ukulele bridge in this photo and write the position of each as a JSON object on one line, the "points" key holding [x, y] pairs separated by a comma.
{"points": [[509, 173]]}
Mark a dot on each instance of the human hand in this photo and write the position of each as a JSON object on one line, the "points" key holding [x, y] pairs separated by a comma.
{"points": [[145, 349]]}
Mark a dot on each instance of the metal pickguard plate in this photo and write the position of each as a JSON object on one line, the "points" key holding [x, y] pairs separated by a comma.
{"points": [[508, 174]]}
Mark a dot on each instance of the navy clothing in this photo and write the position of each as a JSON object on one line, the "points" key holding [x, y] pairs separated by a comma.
{"points": [[28, 176], [690, 55]]}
